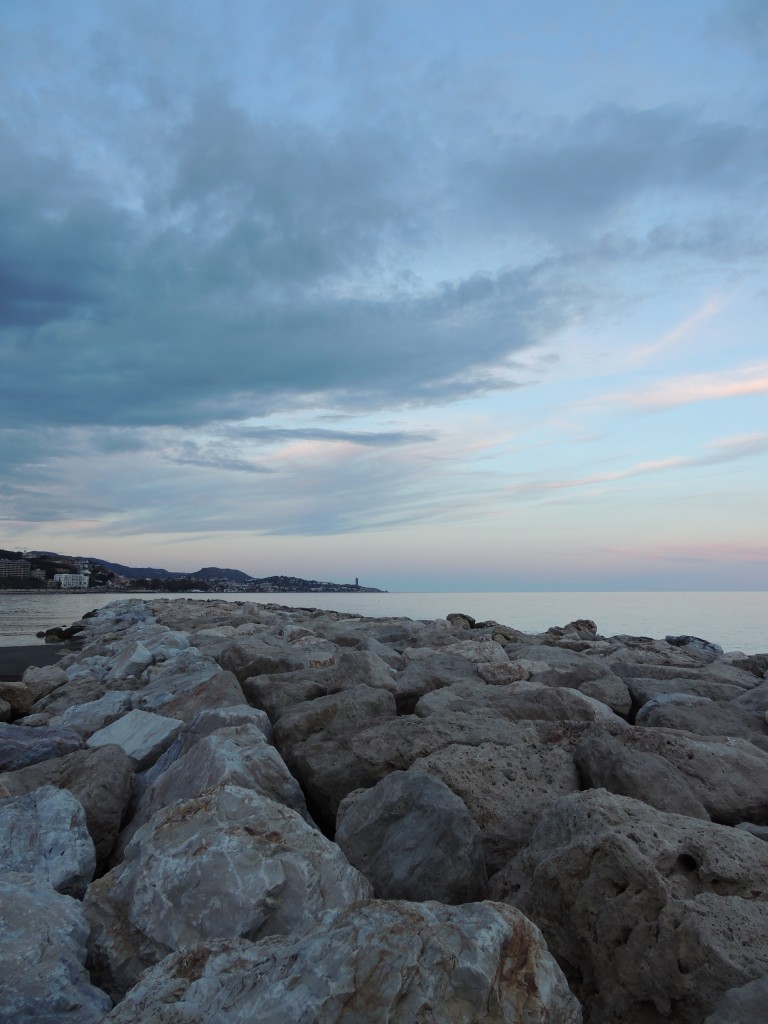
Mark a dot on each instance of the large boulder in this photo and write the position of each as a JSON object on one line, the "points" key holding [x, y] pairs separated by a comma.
{"points": [[188, 683], [705, 717], [727, 775], [100, 779], [42, 950], [236, 756], [506, 787], [228, 863], [314, 739], [517, 702], [653, 916], [44, 833], [141, 734], [21, 745], [373, 963], [605, 762], [413, 839]]}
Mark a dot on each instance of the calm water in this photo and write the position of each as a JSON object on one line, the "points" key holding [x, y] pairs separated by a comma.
{"points": [[737, 620]]}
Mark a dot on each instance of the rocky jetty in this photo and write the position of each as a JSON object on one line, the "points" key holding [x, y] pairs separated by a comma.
{"points": [[241, 813]]}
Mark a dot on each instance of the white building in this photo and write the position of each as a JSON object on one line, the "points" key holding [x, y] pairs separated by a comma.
{"points": [[72, 580]]}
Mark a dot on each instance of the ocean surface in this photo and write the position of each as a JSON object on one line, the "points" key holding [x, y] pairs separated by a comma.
{"points": [[737, 620]]}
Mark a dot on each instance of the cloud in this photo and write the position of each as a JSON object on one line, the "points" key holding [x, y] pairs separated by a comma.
{"points": [[699, 387], [366, 438], [715, 452]]}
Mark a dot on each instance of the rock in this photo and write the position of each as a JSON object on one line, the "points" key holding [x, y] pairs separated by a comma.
{"points": [[131, 660], [43, 680], [245, 657], [653, 916], [610, 690], [373, 963], [235, 756], [521, 701], [645, 690], [755, 700], [413, 839], [500, 673], [604, 762], [759, 831], [189, 683], [727, 775], [86, 719], [756, 664], [42, 950], [275, 694], [314, 739], [143, 736], [100, 779], [21, 746], [17, 695], [505, 787], [230, 863], [422, 675], [44, 833], [480, 651], [695, 645], [704, 717], [743, 1005]]}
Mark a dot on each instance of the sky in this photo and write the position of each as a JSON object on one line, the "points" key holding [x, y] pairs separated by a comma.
{"points": [[436, 294]]}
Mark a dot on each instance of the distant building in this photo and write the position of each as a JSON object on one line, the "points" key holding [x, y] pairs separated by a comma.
{"points": [[72, 580], [18, 567]]}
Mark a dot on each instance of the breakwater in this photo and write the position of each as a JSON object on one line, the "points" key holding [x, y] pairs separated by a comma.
{"points": [[238, 812]]}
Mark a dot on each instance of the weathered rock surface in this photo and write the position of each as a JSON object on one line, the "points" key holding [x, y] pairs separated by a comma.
{"points": [[236, 756], [44, 834], [100, 779], [653, 916], [374, 963], [705, 717], [604, 762], [413, 839], [743, 1005], [423, 735], [142, 735], [21, 746], [506, 787], [314, 739], [42, 950], [228, 863]]}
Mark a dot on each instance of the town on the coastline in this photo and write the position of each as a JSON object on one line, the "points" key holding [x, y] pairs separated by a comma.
{"points": [[47, 570]]}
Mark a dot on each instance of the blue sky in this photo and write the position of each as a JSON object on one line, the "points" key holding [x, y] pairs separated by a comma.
{"points": [[449, 295]]}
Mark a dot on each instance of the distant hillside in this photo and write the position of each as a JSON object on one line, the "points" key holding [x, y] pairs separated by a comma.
{"points": [[213, 573], [132, 573], [104, 574]]}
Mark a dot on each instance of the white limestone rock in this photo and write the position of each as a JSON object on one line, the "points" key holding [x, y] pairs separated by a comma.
{"points": [[42, 950], [86, 719], [142, 735], [130, 660], [374, 963], [228, 863], [45, 834]]}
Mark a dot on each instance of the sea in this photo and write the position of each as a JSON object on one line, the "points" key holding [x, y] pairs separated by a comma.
{"points": [[737, 620]]}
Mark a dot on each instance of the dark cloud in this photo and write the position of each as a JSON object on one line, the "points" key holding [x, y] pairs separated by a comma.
{"points": [[366, 438], [175, 252]]}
